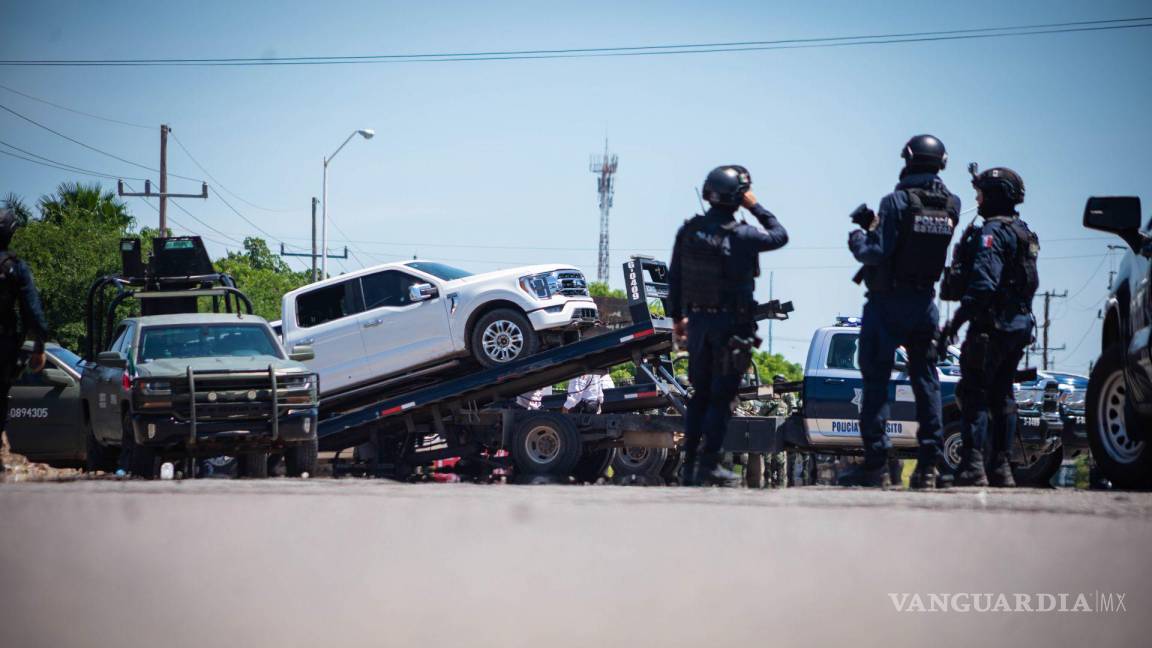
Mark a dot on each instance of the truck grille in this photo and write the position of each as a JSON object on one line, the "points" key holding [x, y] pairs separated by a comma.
{"points": [[1051, 397], [571, 284], [222, 397], [586, 313]]}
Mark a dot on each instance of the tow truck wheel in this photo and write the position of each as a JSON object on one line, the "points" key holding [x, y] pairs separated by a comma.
{"points": [[1040, 472], [641, 465], [253, 465], [1124, 458], [546, 444], [593, 464], [97, 456], [502, 336], [137, 460], [300, 459], [754, 470]]}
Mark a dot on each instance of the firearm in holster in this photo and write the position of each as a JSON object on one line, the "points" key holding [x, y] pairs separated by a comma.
{"points": [[739, 356]]}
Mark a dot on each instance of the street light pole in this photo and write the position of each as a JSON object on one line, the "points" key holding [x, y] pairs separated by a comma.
{"points": [[366, 133]]}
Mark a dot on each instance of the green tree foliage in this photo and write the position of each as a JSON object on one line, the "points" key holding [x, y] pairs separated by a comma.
{"points": [[73, 242], [262, 275], [771, 364], [601, 289], [17, 206]]}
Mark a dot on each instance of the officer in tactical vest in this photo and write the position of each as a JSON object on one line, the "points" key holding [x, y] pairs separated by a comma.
{"points": [[20, 315], [715, 262], [903, 249], [993, 276]]}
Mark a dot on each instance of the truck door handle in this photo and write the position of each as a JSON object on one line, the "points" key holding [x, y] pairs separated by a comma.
{"points": [[306, 341], [834, 381], [375, 322]]}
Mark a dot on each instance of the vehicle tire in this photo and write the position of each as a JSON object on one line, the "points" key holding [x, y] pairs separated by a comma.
{"points": [[592, 465], [136, 460], [546, 444], [253, 465], [1123, 460], [502, 336], [952, 451], [639, 465], [300, 459], [670, 471], [1040, 473], [754, 470], [98, 457]]}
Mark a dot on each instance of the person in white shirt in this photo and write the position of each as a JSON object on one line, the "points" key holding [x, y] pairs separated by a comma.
{"points": [[533, 399], [586, 393]]}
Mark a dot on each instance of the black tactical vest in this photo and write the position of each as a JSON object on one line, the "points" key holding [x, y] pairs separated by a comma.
{"points": [[1020, 277], [926, 227], [959, 273], [701, 252], [9, 293]]}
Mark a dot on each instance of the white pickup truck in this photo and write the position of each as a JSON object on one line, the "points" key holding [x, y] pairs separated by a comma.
{"points": [[407, 318]]}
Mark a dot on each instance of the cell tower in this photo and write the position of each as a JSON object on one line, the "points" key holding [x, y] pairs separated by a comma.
{"points": [[605, 169]]}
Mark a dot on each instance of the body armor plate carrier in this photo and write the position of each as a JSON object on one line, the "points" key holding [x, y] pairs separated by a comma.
{"points": [[702, 251], [926, 228]]}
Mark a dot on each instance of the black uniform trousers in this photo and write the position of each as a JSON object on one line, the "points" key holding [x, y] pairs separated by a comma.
{"points": [[988, 360], [715, 374]]}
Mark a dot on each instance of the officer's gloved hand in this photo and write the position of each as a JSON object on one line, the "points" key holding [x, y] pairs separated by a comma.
{"points": [[864, 217]]}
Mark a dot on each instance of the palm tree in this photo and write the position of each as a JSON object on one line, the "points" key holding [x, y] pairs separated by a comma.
{"points": [[17, 206], [74, 199]]}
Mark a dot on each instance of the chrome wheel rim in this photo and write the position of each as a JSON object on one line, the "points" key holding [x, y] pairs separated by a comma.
{"points": [[542, 444], [502, 341], [953, 450], [634, 457], [1114, 436]]}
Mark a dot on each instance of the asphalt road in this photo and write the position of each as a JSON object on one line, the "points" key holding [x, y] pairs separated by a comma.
{"points": [[359, 563]]}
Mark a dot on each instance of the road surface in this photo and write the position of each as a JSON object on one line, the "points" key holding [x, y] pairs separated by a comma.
{"points": [[366, 562]]}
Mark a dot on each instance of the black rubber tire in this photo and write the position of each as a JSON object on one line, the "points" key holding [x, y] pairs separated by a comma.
{"points": [[754, 470], [639, 465], [530, 340], [592, 465], [1041, 472], [300, 459], [98, 457], [1109, 423], [252, 465], [137, 460], [546, 444], [952, 451]]}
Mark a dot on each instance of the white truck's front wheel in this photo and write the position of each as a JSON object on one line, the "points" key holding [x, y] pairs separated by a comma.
{"points": [[502, 336]]}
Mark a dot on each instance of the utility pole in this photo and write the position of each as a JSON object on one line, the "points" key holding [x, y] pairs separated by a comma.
{"points": [[315, 254], [1045, 350], [314, 202], [605, 169], [163, 195]]}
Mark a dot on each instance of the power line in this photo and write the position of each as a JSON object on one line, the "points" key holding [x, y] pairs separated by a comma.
{"points": [[73, 110], [644, 50], [89, 146], [64, 165], [221, 184]]}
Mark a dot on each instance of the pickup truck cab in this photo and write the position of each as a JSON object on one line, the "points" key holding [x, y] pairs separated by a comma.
{"points": [[1118, 404], [196, 385], [404, 319]]}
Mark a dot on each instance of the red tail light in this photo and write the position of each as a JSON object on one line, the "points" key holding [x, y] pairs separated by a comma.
{"points": [[126, 381]]}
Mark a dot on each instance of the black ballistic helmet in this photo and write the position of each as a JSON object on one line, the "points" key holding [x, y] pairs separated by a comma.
{"points": [[1001, 180], [8, 225], [925, 151], [727, 185]]}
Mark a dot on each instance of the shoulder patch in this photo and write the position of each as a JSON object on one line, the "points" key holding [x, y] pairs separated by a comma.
{"points": [[987, 241]]}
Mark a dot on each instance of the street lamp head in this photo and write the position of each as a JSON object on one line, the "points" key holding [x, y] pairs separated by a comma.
{"points": [[366, 133]]}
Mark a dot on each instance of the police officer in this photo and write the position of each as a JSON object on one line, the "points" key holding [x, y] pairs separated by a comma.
{"points": [[994, 276], [715, 261], [20, 315], [903, 249]]}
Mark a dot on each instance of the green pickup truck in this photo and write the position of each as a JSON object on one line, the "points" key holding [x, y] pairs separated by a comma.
{"points": [[190, 385]]}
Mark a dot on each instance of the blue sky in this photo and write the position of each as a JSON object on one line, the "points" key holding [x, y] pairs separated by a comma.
{"points": [[484, 164]]}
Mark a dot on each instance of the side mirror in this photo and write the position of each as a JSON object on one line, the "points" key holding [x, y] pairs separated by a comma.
{"points": [[421, 292], [111, 359], [1119, 215], [302, 353], [57, 377]]}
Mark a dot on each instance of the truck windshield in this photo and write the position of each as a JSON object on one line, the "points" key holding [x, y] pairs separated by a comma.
{"points": [[439, 270], [205, 341]]}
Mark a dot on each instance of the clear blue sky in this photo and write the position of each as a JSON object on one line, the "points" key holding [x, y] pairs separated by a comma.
{"points": [[484, 164]]}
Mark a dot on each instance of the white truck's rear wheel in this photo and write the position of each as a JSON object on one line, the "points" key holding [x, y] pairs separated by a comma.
{"points": [[1122, 453]]}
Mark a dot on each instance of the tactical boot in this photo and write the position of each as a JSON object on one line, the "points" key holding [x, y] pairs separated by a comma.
{"points": [[924, 478], [944, 478], [867, 476], [1001, 476], [971, 471], [712, 473]]}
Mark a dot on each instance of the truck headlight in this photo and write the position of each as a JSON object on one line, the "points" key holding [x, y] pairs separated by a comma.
{"points": [[154, 387], [542, 286]]}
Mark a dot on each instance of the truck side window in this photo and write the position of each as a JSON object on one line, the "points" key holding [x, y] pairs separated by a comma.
{"points": [[122, 340], [387, 288], [329, 303], [842, 352]]}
